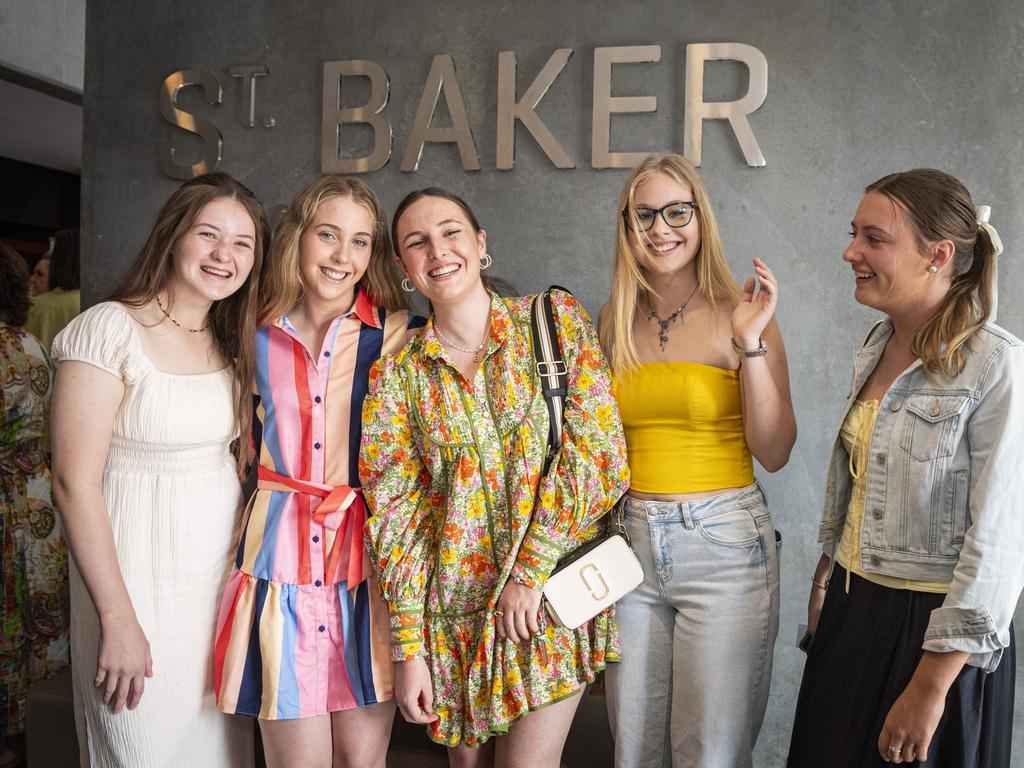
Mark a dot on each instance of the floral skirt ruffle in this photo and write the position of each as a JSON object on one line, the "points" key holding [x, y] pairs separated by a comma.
{"points": [[483, 684]]}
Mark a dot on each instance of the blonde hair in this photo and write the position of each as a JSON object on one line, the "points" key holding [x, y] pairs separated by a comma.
{"points": [[282, 288], [629, 285], [939, 207]]}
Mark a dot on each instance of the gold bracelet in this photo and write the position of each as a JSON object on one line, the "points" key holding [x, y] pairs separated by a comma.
{"points": [[820, 584]]}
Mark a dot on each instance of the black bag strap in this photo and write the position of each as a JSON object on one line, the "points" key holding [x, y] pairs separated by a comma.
{"points": [[547, 351]]}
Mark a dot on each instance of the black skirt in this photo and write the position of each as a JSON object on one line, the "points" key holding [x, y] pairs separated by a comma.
{"points": [[865, 650]]}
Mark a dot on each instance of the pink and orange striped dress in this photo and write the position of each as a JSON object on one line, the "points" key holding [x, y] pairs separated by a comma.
{"points": [[302, 631]]}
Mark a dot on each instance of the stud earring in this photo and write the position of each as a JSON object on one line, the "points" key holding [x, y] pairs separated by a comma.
{"points": [[933, 269], [486, 260], [407, 285]]}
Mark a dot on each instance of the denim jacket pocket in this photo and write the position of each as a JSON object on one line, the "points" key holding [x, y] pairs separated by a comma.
{"points": [[930, 427], [958, 510]]}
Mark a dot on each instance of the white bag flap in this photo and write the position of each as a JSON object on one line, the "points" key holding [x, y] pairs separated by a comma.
{"points": [[593, 582]]}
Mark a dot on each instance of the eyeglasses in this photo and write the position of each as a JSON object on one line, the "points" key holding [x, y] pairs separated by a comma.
{"points": [[675, 215]]}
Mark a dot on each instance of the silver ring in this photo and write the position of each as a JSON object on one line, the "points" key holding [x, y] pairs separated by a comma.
{"points": [[894, 749], [499, 614]]}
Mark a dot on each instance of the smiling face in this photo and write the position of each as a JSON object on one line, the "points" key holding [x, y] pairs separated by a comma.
{"points": [[889, 267], [213, 258], [439, 250], [664, 249], [335, 250]]}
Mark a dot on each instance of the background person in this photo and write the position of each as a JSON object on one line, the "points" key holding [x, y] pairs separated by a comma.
{"points": [[33, 564], [55, 308]]}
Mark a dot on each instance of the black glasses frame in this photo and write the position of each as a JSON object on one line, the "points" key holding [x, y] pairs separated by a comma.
{"points": [[692, 205]]}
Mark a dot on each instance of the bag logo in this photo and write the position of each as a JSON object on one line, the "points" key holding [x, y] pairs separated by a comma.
{"points": [[586, 583]]}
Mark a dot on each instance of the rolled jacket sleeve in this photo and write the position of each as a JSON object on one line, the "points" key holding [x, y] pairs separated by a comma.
{"points": [[589, 474], [987, 581]]}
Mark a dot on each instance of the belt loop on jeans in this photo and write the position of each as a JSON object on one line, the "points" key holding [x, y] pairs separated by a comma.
{"points": [[686, 513]]}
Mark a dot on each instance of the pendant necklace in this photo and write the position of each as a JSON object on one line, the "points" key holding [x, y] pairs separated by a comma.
{"points": [[474, 352], [664, 324]]}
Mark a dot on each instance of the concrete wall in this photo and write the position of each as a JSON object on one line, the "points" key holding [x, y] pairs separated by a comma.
{"points": [[854, 91], [45, 38]]}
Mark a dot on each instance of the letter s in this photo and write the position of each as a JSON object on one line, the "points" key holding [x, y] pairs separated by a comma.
{"points": [[211, 136]]}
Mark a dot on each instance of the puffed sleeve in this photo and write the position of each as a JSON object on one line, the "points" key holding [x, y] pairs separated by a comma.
{"points": [[401, 534], [101, 336], [989, 576], [589, 474]]}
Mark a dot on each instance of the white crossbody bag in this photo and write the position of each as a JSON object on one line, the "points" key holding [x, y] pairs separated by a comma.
{"points": [[596, 574]]}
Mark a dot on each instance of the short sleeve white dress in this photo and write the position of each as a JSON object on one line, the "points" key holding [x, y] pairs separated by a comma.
{"points": [[173, 495]]}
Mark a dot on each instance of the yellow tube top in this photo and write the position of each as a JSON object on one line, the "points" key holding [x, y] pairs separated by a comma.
{"points": [[684, 428]]}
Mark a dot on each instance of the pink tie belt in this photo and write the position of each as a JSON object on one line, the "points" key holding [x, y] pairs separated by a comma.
{"points": [[341, 509]]}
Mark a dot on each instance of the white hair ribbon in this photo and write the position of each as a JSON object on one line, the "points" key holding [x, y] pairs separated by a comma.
{"points": [[983, 213]]}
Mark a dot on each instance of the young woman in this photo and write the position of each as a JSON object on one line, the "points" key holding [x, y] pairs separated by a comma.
{"points": [[151, 389], [302, 637], [33, 556], [912, 659], [702, 384], [466, 525]]}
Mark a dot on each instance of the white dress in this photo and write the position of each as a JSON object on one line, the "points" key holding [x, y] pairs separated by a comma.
{"points": [[172, 494]]}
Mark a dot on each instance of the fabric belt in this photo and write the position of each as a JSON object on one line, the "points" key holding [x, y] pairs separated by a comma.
{"points": [[341, 509]]}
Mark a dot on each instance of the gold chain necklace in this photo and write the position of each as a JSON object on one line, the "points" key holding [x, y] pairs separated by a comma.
{"points": [[474, 352], [168, 316], [664, 324]]}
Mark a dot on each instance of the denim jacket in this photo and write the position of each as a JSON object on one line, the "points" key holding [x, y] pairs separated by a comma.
{"points": [[945, 488]]}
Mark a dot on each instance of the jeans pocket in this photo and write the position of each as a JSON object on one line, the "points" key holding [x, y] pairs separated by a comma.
{"points": [[730, 528]]}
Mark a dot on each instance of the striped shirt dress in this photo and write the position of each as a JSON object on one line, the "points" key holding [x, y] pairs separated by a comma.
{"points": [[302, 630]]}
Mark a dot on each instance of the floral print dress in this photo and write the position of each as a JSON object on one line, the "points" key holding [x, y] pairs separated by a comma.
{"points": [[34, 586], [452, 473]]}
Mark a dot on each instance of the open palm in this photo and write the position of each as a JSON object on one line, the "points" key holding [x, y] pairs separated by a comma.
{"points": [[755, 307]]}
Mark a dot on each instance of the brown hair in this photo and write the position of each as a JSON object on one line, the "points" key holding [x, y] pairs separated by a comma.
{"points": [[495, 284], [233, 319], [65, 260], [281, 286], [629, 286], [939, 207], [14, 301]]}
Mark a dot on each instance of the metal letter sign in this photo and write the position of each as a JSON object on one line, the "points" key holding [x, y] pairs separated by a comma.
{"points": [[510, 110], [698, 110], [605, 104], [441, 78], [334, 116], [212, 139]]}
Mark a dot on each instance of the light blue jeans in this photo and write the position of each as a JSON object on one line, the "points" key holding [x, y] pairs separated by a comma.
{"points": [[698, 634]]}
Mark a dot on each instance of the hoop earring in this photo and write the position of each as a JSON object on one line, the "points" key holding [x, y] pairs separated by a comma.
{"points": [[486, 260], [407, 285]]}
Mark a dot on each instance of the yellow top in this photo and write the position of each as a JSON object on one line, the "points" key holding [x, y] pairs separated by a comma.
{"points": [[856, 436], [684, 428]]}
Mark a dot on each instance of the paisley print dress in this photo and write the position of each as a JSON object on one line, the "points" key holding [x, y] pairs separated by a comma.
{"points": [[34, 587]]}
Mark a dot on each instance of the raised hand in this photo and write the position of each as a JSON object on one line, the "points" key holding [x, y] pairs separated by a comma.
{"points": [[755, 307]]}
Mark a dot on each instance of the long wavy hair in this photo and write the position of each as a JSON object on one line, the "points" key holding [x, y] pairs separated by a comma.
{"points": [[939, 207], [233, 319], [281, 287], [629, 283]]}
